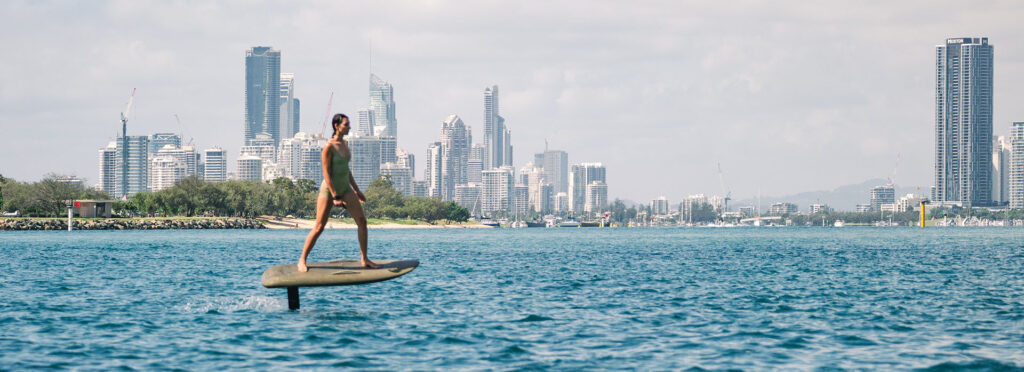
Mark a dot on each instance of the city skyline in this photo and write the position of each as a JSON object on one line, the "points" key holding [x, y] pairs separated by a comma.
{"points": [[766, 115]]}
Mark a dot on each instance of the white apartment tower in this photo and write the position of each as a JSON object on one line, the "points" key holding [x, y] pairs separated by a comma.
{"points": [[580, 177], [216, 165], [1017, 165], [108, 168], [497, 191], [1001, 148], [250, 168], [497, 138]]}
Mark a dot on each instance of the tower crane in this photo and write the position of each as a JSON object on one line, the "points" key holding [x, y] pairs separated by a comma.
{"points": [[181, 127], [728, 195], [124, 145], [327, 116]]}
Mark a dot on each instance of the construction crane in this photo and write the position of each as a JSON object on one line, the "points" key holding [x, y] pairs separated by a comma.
{"points": [[124, 145], [892, 180], [327, 116], [181, 127], [728, 195]]}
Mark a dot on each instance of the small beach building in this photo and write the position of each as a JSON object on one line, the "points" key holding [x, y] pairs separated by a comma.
{"points": [[94, 208]]}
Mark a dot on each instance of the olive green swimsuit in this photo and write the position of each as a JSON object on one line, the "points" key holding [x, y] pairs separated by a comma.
{"points": [[339, 175]]}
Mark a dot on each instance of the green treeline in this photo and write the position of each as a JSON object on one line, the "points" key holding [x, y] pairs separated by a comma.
{"points": [[46, 198], [194, 197]]}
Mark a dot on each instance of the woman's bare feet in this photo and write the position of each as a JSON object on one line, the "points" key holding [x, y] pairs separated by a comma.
{"points": [[369, 264], [302, 266]]}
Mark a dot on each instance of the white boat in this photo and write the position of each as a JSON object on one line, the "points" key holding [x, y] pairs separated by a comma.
{"points": [[839, 223]]}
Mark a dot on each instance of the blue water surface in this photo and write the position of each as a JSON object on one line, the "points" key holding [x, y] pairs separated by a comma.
{"points": [[563, 299]]}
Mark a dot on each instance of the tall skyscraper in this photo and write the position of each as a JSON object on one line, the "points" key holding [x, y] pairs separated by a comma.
{"points": [[289, 107], [497, 138], [580, 177], [556, 168], [1001, 148], [432, 173], [963, 122], [108, 168], [475, 164], [1017, 165], [262, 93], [137, 166], [216, 165], [454, 142], [382, 106], [365, 127]]}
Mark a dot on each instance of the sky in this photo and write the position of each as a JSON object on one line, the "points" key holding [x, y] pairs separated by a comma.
{"points": [[782, 97]]}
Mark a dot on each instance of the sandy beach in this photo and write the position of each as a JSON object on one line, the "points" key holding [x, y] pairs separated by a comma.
{"points": [[299, 223]]}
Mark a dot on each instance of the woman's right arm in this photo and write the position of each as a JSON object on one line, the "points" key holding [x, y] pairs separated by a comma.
{"points": [[325, 159]]}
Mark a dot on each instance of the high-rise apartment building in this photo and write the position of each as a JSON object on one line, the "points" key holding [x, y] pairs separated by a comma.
{"points": [[556, 168], [468, 196], [299, 157], [520, 199], [497, 192], [382, 107], [580, 176], [157, 141], [289, 107], [433, 172], [216, 161], [365, 161], [107, 179], [262, 93], [165, 171], [406, 159], [454, 142], [963, 122], [388, 149], [401, 177], [250, 168], [1001, 148], [883, 194], [497, 138], [185, 155], [597, 197], [137, 166], [1017, 165], [475, 164]]}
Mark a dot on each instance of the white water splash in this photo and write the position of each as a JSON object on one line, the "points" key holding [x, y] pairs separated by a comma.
{"points": [[260, 304]]}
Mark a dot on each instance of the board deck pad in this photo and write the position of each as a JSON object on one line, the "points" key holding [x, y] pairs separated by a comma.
{"points": [[336, 272]]}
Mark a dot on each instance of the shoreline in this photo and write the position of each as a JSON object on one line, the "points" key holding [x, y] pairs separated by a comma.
{"points": [[307, 224], [139, 223]]}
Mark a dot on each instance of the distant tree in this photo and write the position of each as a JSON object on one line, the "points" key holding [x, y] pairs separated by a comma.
{"points": [[381, 193], [305, 185], [457, 213]]}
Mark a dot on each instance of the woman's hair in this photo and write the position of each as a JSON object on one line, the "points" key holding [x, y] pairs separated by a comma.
{"points": [[335, 121]]}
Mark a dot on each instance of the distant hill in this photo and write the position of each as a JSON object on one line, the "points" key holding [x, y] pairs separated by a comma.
{"points": [[843, 198]]}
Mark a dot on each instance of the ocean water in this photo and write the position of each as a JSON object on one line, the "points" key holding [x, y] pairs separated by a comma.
{"points": [[548, 299]]}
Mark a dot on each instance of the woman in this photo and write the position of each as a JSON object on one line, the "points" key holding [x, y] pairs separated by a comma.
{"points": [[338, 188]]}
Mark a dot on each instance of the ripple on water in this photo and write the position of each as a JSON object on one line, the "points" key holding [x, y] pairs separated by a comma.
{"points": [[637, 299]]}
